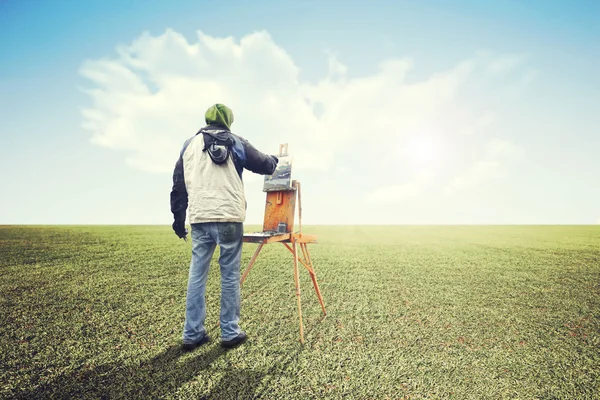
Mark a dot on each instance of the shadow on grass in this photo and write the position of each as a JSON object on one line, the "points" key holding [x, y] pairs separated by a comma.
{"points": [[160, 376]]}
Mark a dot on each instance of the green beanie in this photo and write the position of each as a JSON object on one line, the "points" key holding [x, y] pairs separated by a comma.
{"points": [[219, 114]]}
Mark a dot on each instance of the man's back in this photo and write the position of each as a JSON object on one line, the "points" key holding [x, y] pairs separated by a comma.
{"points": [[215, 191]]}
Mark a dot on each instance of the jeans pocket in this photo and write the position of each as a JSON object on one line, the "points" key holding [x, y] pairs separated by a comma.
{"points": [[229, 231]]}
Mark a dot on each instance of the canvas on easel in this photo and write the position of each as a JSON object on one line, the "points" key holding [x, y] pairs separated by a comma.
{"points": [[281, 179], [278, 226]]}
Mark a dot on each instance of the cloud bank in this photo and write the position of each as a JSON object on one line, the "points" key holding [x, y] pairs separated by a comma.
{"points": [[408, 135]]}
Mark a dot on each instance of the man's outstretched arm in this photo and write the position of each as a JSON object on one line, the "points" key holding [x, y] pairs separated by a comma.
{"points": [[257, 161]]}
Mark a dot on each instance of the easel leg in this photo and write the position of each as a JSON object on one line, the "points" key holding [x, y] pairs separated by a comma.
{"points": [[313, 275], [297, 279], [247, 271]]}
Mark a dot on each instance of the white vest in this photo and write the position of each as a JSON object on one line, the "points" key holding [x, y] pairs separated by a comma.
{"points": [[215, 192]]}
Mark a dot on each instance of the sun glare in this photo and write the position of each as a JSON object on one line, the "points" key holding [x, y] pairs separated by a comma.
{"points": [[423, 150]]}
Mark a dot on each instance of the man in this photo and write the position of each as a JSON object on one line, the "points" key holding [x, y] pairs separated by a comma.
{"points": [[208, 179]]}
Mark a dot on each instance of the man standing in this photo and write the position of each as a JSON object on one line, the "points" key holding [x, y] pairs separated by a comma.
{"points": [[208, 179]]}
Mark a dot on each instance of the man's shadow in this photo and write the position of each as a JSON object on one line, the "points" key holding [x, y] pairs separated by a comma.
{"points": [[163, 375], [155, 378]]}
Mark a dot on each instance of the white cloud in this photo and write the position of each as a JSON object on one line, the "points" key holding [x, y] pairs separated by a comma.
{"points": [[395, 193], [486, 119], [500, 148], [419, 183], [529, 76], [505, 64], [496, 155], [479, 172], [256, 78], [336, 68], [152, 96]]}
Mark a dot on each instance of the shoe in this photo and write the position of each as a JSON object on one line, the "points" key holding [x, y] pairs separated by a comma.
{"points": [[193, 346], [236, 341]]}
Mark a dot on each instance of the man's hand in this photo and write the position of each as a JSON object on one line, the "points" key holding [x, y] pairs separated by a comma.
{"points": [[180, 229]]}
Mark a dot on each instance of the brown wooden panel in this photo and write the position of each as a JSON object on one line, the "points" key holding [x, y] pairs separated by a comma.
{"points": [[280, 207], [305, 238]]}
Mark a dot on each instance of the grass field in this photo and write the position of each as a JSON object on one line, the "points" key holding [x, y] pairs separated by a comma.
{"points": [[413, 312]]}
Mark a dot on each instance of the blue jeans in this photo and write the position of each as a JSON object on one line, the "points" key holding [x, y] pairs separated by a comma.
{"points": [[205, 237]]}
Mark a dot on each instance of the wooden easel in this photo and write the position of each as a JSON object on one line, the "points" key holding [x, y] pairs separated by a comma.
{"points": [[278, 227]]}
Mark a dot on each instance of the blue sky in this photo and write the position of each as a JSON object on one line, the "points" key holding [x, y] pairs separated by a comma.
{"points": [[484, 112]]}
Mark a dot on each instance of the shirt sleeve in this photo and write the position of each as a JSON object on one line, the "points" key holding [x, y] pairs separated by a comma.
{"points": [[257, 161], [179, 195]]}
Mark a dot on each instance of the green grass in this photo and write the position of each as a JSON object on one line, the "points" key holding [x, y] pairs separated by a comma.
{"points": [[413, 312]]}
